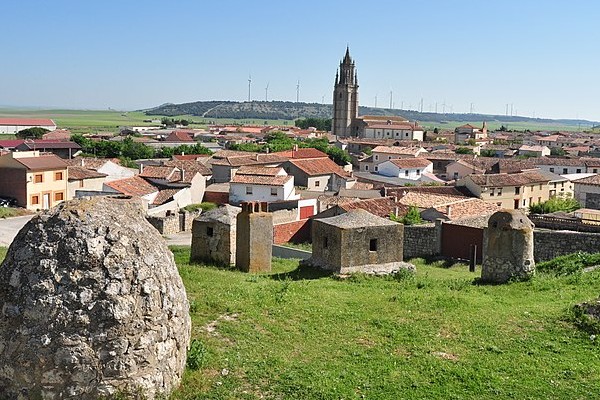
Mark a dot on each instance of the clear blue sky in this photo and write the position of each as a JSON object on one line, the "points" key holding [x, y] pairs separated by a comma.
{"points": [[540, 56]]}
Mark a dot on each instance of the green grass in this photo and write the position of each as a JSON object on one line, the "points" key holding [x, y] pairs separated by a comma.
{"points": [[300, 334]]}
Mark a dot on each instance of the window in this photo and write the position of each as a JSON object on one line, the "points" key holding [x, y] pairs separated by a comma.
{"points": [[491, 192], [209, 231], [35, 199], [376, 168], [389, 157], [317, 183], [81, 183], [59, 196], [455, 175], [273, 191], [551, 169], [248, 189], [578, 170], [373, 245], [565, 171], [325, 243], [418, 172], [540, 186], [517, 190], [58, 176], [366, 167], [499, 191], [406, 173], [524, 202], [38, 178], [595, 170], [376, 157]]}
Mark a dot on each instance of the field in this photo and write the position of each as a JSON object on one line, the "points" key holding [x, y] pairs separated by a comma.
{"points": [[300, 334], [82, 121]]}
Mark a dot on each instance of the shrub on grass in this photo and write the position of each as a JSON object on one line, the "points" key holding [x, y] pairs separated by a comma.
{"points": [[569, 264], [196, 357]]}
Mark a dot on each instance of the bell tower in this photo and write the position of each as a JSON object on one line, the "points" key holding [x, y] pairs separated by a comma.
{"points": [[345, 98]]}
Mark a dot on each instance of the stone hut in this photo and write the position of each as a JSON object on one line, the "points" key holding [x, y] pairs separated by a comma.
{"points": [[254, 241], [508, 247], [357, 241], [92, 304], [214, 236]]}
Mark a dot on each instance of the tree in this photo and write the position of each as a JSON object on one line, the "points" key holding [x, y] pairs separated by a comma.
{"points": [[557, 151], [564, 203], [322, 124], [463, 150], [412, 217], [32, 133]]}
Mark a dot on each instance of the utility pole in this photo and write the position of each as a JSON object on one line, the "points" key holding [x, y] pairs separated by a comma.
{"points": [[391, 96], [471, 109], [421, 109], [267, 92], [298, 91], [249, 85]]}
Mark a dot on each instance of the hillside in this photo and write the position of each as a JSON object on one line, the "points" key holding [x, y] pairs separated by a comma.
{"points": [[291, 110]]}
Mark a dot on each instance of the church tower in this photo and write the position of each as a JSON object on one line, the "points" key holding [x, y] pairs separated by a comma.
{"points": [[345, 98]]}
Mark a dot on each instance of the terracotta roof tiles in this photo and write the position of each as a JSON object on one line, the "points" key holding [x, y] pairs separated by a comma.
{"points": [[134, 186]]}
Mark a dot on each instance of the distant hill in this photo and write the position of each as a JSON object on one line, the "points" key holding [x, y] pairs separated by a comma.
{"points": [[291, 110]]}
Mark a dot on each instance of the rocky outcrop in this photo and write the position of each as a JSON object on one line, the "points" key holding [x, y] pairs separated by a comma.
{"points": [[91, 304]]}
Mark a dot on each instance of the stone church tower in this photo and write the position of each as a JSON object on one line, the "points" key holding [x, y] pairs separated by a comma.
{"points": [[345, 98]]}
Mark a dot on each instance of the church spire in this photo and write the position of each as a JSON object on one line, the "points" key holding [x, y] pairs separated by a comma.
{"points": [[347, 58]]}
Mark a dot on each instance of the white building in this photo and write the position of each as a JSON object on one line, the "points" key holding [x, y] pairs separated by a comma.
{"points": [[14, 125], [407, 168], [267, 184]]}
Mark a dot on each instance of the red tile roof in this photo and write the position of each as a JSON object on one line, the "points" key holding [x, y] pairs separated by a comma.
{"points": [[190, 168], [321, 166], [410, 151], [264, 171], [164, 196], [261, 179], [80, 173], [468, 208], [43, 162], [408, 163], [157, 172], [9, 144], [381, 207], [590, 180], [189, 157], [58, 134], [27, 121], [515, 179], [180, 136], [134, 186]]}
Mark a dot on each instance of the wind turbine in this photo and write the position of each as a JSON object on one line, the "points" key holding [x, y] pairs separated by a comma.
{"points": [[267, 92], [249, 85], [298, 91]]}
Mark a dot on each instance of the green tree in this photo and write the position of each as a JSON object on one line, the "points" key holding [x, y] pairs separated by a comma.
{"points": [[32, 133], [322, 124], [412, 217], [557, 151], [463, 150], [564, 203]]}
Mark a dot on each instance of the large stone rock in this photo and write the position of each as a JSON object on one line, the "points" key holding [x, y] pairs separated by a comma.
{"points": [[508, 247], [91, 304]]}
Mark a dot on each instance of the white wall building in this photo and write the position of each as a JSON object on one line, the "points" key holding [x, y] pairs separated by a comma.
{"points": [[261, 184], [14, 125], [407, 168]]}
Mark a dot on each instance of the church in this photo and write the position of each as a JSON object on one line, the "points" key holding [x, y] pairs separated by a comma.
{"points": [[347, 124]]}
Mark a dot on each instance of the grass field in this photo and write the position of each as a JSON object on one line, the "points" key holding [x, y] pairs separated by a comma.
{"points": [[299, 334], [82, 121]]}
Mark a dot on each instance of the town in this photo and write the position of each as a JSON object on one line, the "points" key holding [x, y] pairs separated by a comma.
{"points": [[302, 251]]}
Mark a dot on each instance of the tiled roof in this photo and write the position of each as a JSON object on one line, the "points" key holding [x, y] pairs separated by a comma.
{"points": [[134, 186], [357, 218], [190, 168], [381, 207], [261, 179], [43, 162], [164, 196], [321, 166], [157, 172], [568, 162], [427, 200], [468, 208], [406, 127], [264, 171], [533, 148], [80, 173], [27, 121], [180, 136], [58, 134], [189, 157], [250, 159], [412, 151], [408, 163], [516, 179], [308, 152], [90, 162], [590, 180], [9, 144], [49, 144]]}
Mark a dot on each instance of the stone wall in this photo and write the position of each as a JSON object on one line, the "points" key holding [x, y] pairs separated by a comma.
{"points": [[549, 222], [172, 223], [422, 240], [551, 244]]}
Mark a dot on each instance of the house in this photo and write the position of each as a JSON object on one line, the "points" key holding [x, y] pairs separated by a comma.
{"points": [[461, 168], [84, 180], [183, 183], [319, 175], [388, 127], [134, 186], [380, 154], [58, 135], [511, 191], [256, 183], [381, 207], [109, 166], [464, 133], [13, 125], [225, 163], [66, 150], [407, 168], [460, 209], [533, 150], [587, 191], [35, 180]]}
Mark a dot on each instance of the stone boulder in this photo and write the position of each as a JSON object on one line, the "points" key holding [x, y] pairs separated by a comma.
{"points": [[91, 304]]}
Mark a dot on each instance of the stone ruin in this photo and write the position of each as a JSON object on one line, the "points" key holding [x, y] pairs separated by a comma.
{"points": [[358, 242], [214, 236], [91, 305], [254, 238], [508, 247]]}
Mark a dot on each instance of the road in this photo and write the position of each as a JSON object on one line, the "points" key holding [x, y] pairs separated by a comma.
{"points": [[9, 227]]}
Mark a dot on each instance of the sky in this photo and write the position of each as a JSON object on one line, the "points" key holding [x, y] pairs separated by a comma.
{"points": [[538, 56]]}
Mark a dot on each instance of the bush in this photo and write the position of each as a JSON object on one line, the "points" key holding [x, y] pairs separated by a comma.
{"points": [[196, 357], [569, 264], [558, 203], [204, 206]]}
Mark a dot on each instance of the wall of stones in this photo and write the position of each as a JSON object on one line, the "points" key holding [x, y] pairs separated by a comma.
{"points": [[422, 241], [551, 244], [542, 221]]}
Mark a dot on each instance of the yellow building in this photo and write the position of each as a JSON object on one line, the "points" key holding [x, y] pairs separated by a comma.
{"points": [[511, 191], [35, 180]]}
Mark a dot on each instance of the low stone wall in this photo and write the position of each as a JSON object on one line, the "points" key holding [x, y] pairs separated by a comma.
{"points": [[172, 223], [422, 240], [551, 244], [548, 222]]}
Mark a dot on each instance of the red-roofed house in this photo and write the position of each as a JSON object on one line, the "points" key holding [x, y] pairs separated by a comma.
{"points": [[320, 174], [135, 187], [35, 180], [185, 137], [14, 125], [255, 183]]}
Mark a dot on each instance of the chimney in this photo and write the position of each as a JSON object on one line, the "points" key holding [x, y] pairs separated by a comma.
{"points": [[182, 174], [256, 156], [449, 211], [141, 168]]}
